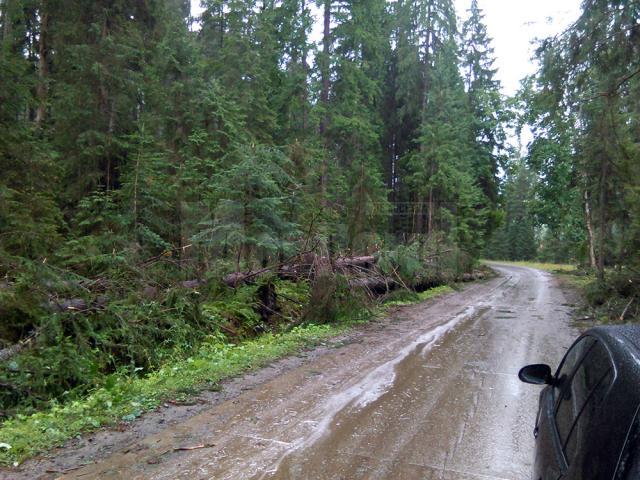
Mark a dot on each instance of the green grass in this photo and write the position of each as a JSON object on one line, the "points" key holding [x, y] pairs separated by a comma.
{"points": [[420, 297], [123, 398], [548, 267], [569, 274], [126, 398], [580, 282]]}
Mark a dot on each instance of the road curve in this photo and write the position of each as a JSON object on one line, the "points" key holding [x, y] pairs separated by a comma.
{"points": [[429, 393]]}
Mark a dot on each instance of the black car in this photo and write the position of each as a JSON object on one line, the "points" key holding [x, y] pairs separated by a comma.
{"points": [[588, 425]]}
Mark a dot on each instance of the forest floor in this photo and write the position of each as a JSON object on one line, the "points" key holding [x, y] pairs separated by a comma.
{"points": [[442, 370]]}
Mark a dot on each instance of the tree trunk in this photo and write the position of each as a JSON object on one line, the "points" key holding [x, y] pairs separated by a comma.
{"points": [[430, 212], [425, 88], [426, 67], [324, 98], [6, 21], [13, 350], [135, 190], [305, 91], [221, 27], [107, 108], [43, 65], [604, 172], [590, 232], [419, 217]]}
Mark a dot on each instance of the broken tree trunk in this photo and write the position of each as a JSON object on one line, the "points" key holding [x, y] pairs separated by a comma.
{"points": [[7, 353], [307, 266], [376, 285], [367, 261]]}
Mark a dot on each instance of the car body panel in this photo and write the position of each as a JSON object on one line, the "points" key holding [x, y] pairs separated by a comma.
{"points": [[586, 415]]}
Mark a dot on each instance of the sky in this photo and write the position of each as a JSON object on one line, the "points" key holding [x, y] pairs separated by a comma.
{"points": [[514, 24]]}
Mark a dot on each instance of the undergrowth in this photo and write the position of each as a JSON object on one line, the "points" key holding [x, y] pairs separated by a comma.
{"points": [[410, 298], [124, 396], [77, 352]]}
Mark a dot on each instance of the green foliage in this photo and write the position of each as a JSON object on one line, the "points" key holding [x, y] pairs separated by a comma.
{"points": [[293, 298], [426, 264], [615, 301], [250, 217], [583, 102], [404, 261], [124, 397], [332, 300], [73, 351], [515, 239], [235, 310], [486, 106], [139, 155], [77, 351], [409, 298]]}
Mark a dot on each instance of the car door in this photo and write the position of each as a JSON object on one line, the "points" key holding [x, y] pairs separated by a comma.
{"points": [[629, 461], [552, 430], [583, 418]]}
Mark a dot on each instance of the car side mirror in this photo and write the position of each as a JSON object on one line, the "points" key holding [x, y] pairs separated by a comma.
{"points": [[538, 374]]}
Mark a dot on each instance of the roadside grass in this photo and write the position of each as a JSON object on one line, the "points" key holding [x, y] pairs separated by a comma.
{"points": [[568, 274], [548, 267], [580, 282], [124, 398], [414, 298]]}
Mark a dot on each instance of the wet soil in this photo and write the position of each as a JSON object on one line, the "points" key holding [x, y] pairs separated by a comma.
{"points": [[430, 392]]}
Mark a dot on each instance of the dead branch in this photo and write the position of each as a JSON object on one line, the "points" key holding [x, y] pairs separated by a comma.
{"points": [[7, 353], [624, 312]]}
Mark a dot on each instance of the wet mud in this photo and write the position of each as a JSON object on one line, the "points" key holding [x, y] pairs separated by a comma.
{"points": [[429, 393]]}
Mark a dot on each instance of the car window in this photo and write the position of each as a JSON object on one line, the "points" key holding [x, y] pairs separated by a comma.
{"points": [[589, 386], [570, 362], [567, 408], [629, 463]]}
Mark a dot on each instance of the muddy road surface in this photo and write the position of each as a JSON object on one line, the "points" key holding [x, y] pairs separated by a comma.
{"points": [[429, 393]]}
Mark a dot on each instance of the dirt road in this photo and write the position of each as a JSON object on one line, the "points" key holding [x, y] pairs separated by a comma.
{"points": [[429, 393]]}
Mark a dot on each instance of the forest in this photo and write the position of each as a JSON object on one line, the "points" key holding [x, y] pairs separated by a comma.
{"points": [[168, 179]]}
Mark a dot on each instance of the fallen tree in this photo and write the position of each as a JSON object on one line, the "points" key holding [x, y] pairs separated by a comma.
{"points": [[304, 266]]}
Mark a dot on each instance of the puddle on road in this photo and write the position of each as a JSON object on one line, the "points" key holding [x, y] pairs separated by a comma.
{"points": [[452, 412], [397, 381]]}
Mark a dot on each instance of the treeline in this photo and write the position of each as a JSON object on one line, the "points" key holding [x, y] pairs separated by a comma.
{"points": [[584, 108], [583, 165], [124, 124], [142, 149]]}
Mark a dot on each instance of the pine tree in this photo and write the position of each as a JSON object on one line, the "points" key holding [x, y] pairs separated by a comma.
{"points": [[559, 201], [250, 208], [30, 219], [441, 171]]}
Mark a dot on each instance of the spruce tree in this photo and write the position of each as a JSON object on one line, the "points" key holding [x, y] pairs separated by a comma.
{"points": [[362, 44], [486, 107], [515, 238]]}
